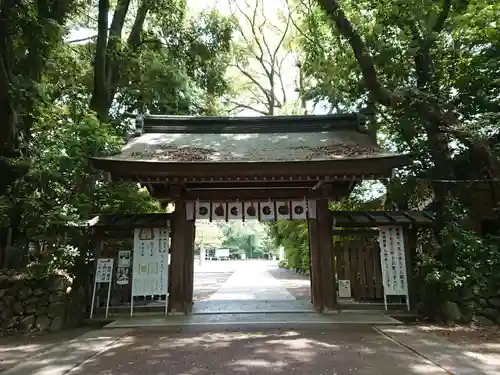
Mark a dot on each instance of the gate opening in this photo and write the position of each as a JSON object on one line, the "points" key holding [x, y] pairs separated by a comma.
{"points": [[237, 263]]}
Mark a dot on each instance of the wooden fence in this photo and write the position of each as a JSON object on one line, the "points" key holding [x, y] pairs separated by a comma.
{"points": [[358, 260]]}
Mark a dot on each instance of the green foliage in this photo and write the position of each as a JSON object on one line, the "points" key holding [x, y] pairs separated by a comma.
{"points": [[293, 236], [181, 68], [460, 264], [178, 67], [248, 237]]}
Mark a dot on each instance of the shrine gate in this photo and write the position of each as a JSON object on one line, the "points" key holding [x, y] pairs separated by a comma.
{"points": [[266, 168]]}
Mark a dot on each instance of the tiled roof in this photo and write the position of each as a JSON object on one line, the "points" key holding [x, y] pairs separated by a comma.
{"points": [[265, 139], [250, 147]]}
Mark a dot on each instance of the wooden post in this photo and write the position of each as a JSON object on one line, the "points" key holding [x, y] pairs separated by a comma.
{"points": [[410, 243], [177, 269], [325, 223], [323, 289], [310, 264], [314, 251], [189, 265], [181, 280]]}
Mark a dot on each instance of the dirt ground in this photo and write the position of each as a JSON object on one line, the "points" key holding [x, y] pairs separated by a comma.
{"points": [[16, 348]]}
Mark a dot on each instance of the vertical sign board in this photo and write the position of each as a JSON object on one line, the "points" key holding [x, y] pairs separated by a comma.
{"points": [[123, 267], [150, 264], [103, 275], [392, 255]]}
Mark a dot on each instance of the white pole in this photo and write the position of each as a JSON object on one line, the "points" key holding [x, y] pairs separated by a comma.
{"points": [[109, 293], [166, 304], [93, 300], [202, 254]]}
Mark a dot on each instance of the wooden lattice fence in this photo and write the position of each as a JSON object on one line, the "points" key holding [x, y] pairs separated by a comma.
{"points": [[358, 260]]}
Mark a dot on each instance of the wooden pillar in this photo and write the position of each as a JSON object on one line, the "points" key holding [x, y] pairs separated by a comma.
{"points": [[181, 264], [315, 259], [410, 243], [321, 246], [189, 266]]}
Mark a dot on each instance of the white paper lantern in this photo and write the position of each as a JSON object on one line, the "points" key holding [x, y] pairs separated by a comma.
{"points": [[251, 210], [219, 210], [266, 210], [311, 209], [234, 210], [283, 211], [299, 210], [202, 210]]}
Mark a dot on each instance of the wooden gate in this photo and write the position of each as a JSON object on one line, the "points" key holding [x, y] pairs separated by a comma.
{"points": [[358, 260]]}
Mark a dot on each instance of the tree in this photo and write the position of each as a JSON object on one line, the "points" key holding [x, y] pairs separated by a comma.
{"points": [[142, 52], [178, 68], [208, 234], [422, 95], [264, 66], [28, 35]]}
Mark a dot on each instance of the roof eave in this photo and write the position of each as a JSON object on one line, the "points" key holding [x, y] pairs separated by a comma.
{"points": [[353, 166]]}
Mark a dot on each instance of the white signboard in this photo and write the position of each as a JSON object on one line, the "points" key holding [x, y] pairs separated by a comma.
{"points": [[392, 255], [124, 258], [345, 288], [103, 274], [104, 270], [222, 253], [150, 263]]}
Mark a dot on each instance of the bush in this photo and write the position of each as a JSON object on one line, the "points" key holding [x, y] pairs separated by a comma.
{"points": [[283, 264], [456, 266]]}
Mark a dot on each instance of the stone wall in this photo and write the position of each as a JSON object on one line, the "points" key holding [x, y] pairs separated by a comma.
{"points": [[38, 305], [474, 306]]}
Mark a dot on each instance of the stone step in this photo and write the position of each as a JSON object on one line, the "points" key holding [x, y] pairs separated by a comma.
{"points": [[240, 321]]}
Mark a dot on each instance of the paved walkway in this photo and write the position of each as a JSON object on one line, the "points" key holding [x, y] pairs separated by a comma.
{"points": [[463, 359], [116, 352], [251, 288], [252, 282], [338, 350]]}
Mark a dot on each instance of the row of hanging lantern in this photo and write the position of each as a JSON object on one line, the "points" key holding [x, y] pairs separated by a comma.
{"points": [[265, 211]]}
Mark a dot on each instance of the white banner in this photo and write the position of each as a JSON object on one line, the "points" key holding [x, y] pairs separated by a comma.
{"points": [[150, 262], [247, 210], [392, 254]]}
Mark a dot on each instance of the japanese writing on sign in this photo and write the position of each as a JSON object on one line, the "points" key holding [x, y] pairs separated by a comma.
{"points": [[104, 270], [392, 254], [150, 262]]}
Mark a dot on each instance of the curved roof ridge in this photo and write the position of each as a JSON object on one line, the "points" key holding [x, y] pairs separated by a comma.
{"points": [[245, 125]]}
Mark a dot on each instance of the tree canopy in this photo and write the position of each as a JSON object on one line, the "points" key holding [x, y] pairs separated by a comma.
{"points": [[426, 74]]}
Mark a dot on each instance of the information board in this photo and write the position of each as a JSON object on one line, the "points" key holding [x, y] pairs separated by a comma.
{"points": [[150, 263], [103, 274], [104, 270], [393, 262], [222, 253]]}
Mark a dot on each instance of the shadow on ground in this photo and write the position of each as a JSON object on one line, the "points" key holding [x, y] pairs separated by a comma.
{"points": [[339, 352], [56, 354]]}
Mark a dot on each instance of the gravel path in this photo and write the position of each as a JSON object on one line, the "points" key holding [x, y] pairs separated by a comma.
{"points": [[297, 284]]}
